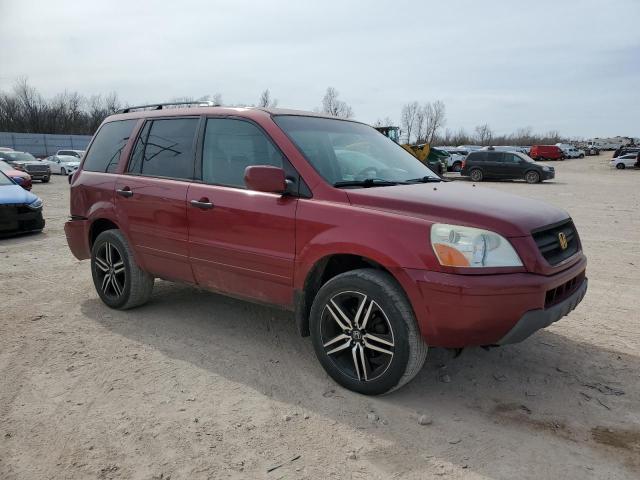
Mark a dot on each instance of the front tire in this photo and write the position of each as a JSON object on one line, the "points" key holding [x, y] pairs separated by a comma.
{"points": [[532, 177], [476, 175], [45, 179], [456, 167], [364, 332], [620, 166], [120, 283], [63, 171]]}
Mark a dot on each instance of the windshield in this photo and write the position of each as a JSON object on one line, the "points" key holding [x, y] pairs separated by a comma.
{"points": [[343, 151], [5, 167], [19, 156], [4, 180], [67, 158]]}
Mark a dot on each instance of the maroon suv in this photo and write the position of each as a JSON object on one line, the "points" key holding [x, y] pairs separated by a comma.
{"points": [[376, 255]]}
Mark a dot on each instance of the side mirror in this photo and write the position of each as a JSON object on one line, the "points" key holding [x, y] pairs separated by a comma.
{"points": [[265, 178]]}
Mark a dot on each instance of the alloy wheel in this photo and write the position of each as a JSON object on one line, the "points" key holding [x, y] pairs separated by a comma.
{"points": [[532, 177], [357, 336], [110, 269]]}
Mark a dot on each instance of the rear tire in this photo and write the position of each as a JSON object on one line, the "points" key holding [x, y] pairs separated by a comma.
{"points": [[120, 283], [364, 332], [476, 175]]}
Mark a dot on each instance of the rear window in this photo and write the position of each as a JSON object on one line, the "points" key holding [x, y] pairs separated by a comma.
{"points": [[165, 148], [105, 150]]}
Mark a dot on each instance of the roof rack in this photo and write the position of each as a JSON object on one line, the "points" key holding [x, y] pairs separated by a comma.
{"points": [[161, 106]]}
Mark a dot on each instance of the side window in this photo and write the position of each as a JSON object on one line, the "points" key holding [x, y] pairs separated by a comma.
{"points": [[165, 148], [478, 156], [232, 145], [497, 157], [511, 158], [105, 151]]}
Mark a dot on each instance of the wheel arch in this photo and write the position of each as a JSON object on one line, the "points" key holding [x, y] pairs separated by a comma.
{"points": [[98, 226], [323, 270]]}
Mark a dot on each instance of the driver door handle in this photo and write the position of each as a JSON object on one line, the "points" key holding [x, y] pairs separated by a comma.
{"points": [[203, 204], [125, 192]]}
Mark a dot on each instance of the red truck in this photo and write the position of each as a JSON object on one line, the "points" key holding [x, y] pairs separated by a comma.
{"points": [[546, 152], [376, 255]]}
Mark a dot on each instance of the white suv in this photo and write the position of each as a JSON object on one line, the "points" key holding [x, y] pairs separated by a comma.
{"points": [[570, 151]]}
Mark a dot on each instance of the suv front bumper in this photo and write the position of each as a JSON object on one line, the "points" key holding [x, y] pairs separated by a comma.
{"points": [[458, 311], [534, 320]]}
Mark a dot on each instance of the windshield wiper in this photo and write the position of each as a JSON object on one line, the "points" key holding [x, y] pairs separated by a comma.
{"points": [[425, 179], [367, 182]]}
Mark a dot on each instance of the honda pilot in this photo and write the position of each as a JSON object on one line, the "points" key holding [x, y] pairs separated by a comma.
{"points": [[377, 256]]}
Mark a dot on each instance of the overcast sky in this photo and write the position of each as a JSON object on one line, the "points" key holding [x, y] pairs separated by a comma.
{"points": [[567, 65]]}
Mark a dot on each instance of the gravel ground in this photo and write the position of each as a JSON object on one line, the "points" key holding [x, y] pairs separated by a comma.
{"points": [[196, 385]]}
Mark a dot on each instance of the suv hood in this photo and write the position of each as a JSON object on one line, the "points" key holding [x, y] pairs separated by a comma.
{"points": [[456, 203]]}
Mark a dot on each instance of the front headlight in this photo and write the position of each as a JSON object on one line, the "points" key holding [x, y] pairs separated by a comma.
{"points": [[36, 204], [458, 246]]}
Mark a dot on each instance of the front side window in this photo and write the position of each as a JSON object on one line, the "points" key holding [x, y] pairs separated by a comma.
{"points": [[165, 148], [107, 146], [230, 146], [344, 151]]}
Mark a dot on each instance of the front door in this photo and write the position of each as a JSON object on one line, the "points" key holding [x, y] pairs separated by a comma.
{"points": [[513, 166], [151, 196], [241, 242]]}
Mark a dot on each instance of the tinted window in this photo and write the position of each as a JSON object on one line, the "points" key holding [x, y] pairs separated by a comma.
{"points": [[496, 157], [106, 147], [230, 146], [165, 148], [511, 158], [477, 156]]}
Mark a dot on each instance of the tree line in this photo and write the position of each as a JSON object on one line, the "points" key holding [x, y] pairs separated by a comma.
{"points": [[24, 110]]}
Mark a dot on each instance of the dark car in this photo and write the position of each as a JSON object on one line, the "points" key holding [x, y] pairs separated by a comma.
{"points": [[27, 163], [625, 151], [493, 164], [378, 257], [20, 210]]}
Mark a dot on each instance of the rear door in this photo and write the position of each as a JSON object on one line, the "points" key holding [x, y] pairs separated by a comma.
{"points": [[151, 196], [494, 164], [242, 242]]}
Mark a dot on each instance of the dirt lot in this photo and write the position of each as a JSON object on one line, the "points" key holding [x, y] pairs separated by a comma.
{"points": [[196, 385]]}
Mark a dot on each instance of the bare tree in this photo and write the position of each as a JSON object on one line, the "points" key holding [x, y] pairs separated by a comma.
{"points": [[384, 122], [419, 125], [434, 119], [266, 101], [408, 119], [484, 135], [332, 105]]}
